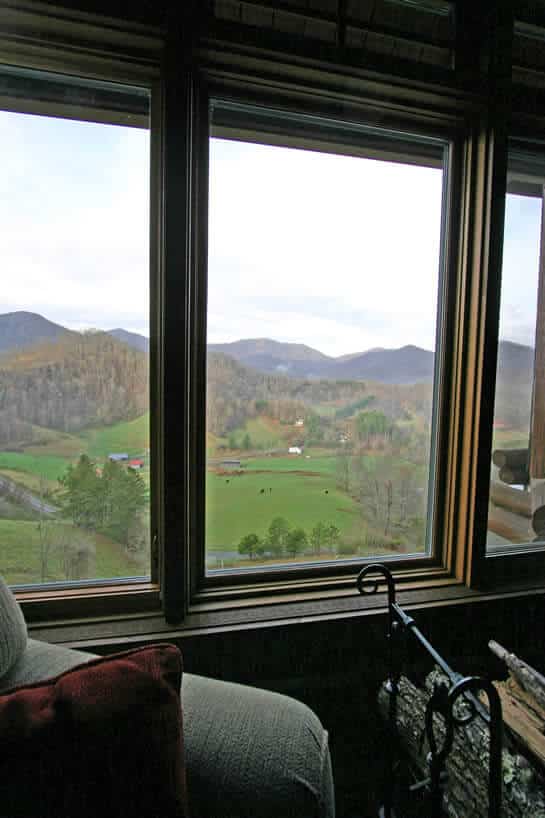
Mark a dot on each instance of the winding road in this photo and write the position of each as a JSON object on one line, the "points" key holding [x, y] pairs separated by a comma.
{"points": [[22, 495]]}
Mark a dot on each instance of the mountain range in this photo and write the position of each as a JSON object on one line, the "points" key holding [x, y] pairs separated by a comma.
{"points": [[406, 365]]}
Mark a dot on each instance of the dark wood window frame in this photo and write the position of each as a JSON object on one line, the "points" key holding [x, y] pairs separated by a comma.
{"points": [[477, 118]]}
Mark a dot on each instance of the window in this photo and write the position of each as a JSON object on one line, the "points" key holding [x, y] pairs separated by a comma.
{"points": [[324, 285], [516, 499], [74, 329], [325, 234]]}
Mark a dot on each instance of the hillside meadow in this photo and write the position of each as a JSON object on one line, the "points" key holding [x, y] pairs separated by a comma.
{"points": [[300, 488], [246, 504], [21, 553]]}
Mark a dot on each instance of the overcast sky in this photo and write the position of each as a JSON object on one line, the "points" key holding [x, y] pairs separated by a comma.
{"points": [[338, 253]]}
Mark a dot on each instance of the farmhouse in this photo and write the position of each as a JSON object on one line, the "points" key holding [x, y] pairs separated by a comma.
{"points": [[135, 464], [452, 91]]}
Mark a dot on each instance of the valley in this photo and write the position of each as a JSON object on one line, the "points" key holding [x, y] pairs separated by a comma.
{"points": [[309, 458]]}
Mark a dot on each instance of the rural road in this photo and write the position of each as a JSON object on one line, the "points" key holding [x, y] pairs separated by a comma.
{"points": [[212, 556], [9, 488]]}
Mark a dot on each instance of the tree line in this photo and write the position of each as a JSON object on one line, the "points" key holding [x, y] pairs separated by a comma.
{"points": [[80, 380], [282, 539], [109, 500]]}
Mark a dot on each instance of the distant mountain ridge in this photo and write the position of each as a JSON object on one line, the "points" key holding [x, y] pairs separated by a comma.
{"points": [[407, 365], [23, 329], [132, 339]]}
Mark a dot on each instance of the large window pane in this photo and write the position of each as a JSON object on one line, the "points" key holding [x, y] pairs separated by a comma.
{"points": [[517, 474], [323, 282], [74, 328]]}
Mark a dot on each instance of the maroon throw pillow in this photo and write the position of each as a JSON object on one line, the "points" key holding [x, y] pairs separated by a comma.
{"points": [[102, 739]]}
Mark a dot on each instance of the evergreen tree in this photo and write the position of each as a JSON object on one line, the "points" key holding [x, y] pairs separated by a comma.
{"points": [[249, 545], [296, 541], [81, 499], [277, 535], [108, 502]]}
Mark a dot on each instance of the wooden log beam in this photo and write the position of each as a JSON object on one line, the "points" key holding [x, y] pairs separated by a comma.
{"points": [[530, 679], [512, 527], [515, 500], [466, 790], [513, 458], [514, 476], [537, 428]]}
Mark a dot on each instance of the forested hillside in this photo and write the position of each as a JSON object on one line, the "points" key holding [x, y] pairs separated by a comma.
{"points": [[237, 393], [77, 381]]}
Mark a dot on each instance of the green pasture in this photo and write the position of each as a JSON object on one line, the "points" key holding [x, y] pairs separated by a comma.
{"points": [[325, 410], [58, 444], [247, 503], [49, 466], [324, 465], [263, 432], [20, 553]]}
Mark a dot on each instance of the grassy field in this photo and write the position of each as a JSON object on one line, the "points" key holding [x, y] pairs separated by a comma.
{"points": [[319, 464], [58, 444], [247, 503], [49, 466], [20, 554], [264, 432], [131, 437], [59, 450], [19, 539], [300, 488]]}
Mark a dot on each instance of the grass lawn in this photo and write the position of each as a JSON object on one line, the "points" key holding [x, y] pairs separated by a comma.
{"points": [[236, 505], [58, 444], [264, 431], [319, 464], [131, 437], [20, 553], [49, 466]]}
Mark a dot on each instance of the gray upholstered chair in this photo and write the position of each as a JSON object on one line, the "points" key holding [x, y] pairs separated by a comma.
{"points": [[249, 752]]}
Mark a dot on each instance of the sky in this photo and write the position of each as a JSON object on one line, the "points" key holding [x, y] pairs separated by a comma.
{"points": [[336, 252], [74, 221]]}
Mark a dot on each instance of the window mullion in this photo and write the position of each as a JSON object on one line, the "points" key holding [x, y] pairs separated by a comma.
{"points": [[484, 220], [175, 311]]}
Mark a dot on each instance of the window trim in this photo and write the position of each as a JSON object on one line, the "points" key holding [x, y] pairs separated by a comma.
{"points": [[98, 50], [295, 574], [522, 560], [473, 102], [414, 117]]}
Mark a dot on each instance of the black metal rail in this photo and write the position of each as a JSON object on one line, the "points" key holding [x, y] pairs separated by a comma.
{"points": [[443, 701]]}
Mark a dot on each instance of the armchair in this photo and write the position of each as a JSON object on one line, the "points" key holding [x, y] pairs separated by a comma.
{"points": [[248, 752]]}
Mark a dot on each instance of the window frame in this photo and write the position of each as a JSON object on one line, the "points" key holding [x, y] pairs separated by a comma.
{"points": [[289, 135], [522, 560], [94, 49], [473, 105], [451, 126]]}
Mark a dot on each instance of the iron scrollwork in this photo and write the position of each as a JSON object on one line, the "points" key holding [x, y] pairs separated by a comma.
{"points": [[455, 702]]}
